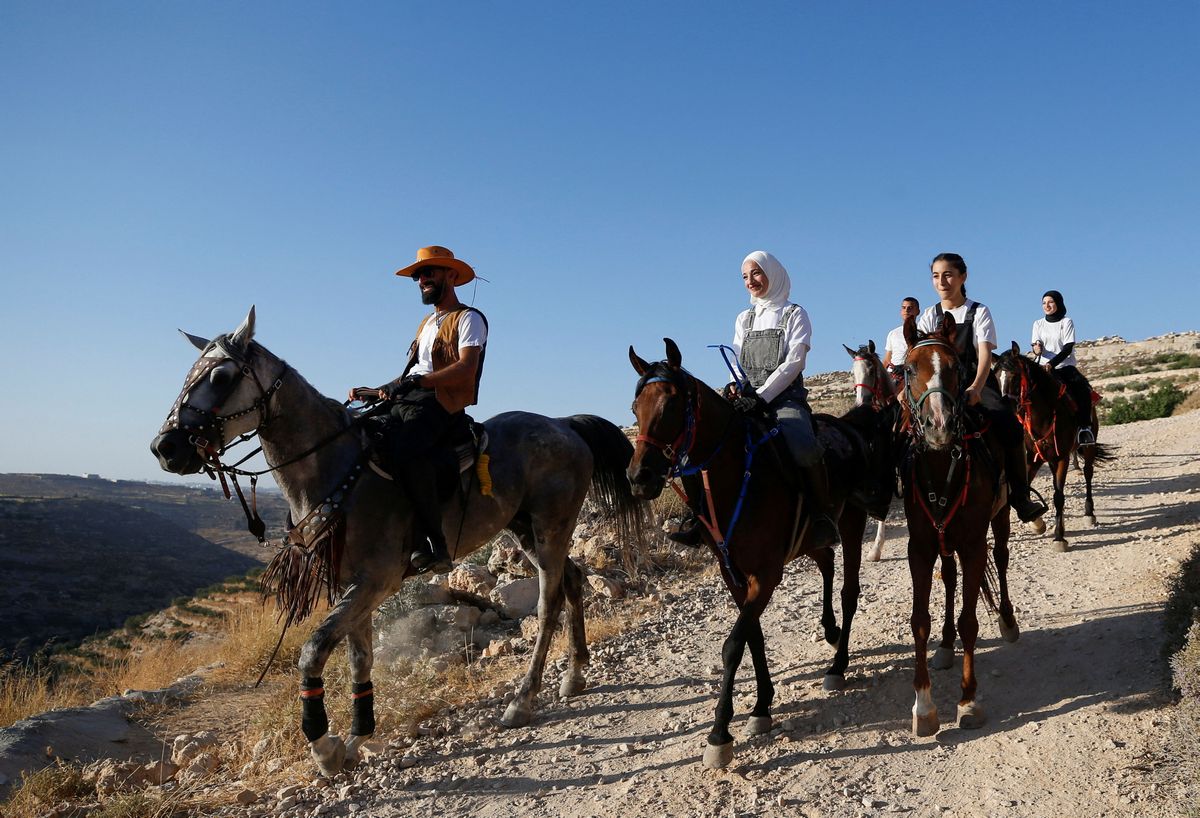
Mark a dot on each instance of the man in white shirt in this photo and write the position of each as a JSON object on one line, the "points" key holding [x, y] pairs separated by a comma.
{"points": [[441, 379], [896, 348]]}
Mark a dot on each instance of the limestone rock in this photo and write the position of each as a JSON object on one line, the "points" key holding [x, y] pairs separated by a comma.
{"points": [[472, 579], [507, 558], [516, 599], [606, 587]]}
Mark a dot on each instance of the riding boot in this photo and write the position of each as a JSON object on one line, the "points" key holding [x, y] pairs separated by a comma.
{"points": [[1019, 498], [688, 532], [823, 529], [429, 552]]}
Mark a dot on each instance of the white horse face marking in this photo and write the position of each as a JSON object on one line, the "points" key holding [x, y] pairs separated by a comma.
{"points": [[864, 379], [937, 426], [1003, 377]]}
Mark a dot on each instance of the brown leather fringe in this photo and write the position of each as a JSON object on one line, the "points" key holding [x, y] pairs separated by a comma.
{"points": [[299, 571]]}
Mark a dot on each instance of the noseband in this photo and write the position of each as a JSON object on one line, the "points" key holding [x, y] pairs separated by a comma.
{"points": [[878, 398]]}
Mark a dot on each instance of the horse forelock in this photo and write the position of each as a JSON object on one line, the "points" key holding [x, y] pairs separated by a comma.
{"points": [[663, 371]]}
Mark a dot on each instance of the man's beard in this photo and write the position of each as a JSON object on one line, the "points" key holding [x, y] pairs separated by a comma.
{"points": [[434, 295]]}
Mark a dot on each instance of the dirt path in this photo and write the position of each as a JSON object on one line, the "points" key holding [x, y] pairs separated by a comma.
{"points": [[1077, 716]]}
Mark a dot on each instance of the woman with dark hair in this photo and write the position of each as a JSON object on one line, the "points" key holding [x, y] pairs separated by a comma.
{"points": [[1054, 346], [976, 338]]}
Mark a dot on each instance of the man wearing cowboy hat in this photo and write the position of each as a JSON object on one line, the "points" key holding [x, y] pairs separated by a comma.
{"points": [[441, 379]]}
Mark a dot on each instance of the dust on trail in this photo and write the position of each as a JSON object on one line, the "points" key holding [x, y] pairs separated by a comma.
{"points": [[1077, 709]]}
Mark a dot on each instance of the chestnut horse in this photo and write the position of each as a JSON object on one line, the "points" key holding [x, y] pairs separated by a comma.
{"points": [[1051, 424], [747, 496], [952, 492]]}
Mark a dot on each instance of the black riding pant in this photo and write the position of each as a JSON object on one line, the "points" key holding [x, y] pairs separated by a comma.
{"points": [[418, 424], [1080, 391]]}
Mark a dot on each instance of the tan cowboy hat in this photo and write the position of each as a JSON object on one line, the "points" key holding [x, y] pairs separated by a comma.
{"points": [[437, 256]]}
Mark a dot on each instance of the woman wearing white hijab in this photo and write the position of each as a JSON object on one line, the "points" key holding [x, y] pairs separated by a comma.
{"points": [[772, 340]]}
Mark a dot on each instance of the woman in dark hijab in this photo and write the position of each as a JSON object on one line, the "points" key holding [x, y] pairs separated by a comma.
{"points": [[1054, 344]]}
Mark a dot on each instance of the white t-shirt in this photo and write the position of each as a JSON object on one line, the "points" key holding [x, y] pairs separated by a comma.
{"points": [[472, 332], [985, 330], [896, 345], [1054, 335], [799, 339]]}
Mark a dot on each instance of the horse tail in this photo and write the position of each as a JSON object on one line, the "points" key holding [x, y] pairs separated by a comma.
{"points": [[1104, 453], [611, 453]]}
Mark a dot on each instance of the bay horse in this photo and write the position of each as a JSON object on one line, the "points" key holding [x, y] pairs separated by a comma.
{"points": [[953, 489], [540, 470], [874, 387], [1048, 413], [747, 497]]}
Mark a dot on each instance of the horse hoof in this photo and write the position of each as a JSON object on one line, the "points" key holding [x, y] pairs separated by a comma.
{"points": [[517, 714], [943, 658], [832, 635], [833, 681], [756, 726], [352, 745], [572, 684], [718, 756], [1091, 520], [329, 753], [970, 716], [873, 556], [1009, 634], [926, 725], [1039, 526], [1061, 546]]}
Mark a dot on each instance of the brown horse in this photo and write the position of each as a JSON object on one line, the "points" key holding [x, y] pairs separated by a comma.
{"points": [[873, 387], [746, 494], [952, 492], [1049, 416]]}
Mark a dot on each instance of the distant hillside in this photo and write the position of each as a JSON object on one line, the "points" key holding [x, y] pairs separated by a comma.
{"points": [[79, 555]]}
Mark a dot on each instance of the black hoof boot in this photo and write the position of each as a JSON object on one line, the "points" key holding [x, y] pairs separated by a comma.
{"points": [[688, 532]]}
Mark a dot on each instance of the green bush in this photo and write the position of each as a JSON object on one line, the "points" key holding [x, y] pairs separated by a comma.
{"points": [[1157, 403]]}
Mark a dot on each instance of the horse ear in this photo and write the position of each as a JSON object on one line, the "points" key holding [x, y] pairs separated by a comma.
{"points": [[849, 351], [910, 332], [196, 341], [1016, 350], [871, 346], [949, 327], [245, 332], [674, 358], [995, 359], [639, 365]]}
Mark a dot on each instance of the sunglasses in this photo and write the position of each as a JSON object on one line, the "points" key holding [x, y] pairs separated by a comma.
{"points": [[425, 272]]}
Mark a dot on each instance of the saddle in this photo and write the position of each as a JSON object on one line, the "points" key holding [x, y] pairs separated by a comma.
{"points": [[464, 445]]}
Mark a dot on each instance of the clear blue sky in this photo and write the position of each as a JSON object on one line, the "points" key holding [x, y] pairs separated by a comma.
{"points": [[606, 165]]}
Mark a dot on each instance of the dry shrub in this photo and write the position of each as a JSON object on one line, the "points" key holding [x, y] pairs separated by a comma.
{"points": [[24, 691], [40, 791], [1185, 726], [1189, 404]]}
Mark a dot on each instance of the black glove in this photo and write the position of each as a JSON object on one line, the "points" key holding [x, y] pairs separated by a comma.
{"points": [[398, 389], [748, 402]]}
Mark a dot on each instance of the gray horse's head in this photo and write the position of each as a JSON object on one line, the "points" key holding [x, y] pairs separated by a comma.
{"points": [[224, 396]]}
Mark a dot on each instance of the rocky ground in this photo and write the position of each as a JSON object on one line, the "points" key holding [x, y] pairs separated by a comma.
{"points": [[1078, 714]]}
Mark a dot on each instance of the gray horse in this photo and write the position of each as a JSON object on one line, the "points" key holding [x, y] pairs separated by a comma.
{"points": [[541, 470]]}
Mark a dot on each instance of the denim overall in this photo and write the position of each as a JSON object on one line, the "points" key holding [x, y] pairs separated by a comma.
{"points": [[763, 351]]}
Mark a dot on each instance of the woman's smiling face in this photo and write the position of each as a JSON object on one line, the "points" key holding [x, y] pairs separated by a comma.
{"points": [[755, 279], [947, 280], [1048, 305]]}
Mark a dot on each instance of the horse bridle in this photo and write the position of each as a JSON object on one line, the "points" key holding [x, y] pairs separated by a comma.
{"points": [[878, 399], [914, 403], [209, 436], [681, 447]]}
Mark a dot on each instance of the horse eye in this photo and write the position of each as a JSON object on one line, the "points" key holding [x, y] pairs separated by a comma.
{"points": [[220, 377]]}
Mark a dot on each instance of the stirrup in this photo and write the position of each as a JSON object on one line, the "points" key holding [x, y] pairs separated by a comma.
{"points": [[688, 532], [1029, 509], [1085, 437], [426, 561]]}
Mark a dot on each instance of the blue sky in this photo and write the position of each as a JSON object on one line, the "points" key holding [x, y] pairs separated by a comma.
{"points": [[606, 166]]}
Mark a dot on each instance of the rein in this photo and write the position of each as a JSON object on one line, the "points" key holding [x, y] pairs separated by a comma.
{"points": [[913, 404], [1025, 415], [931, 500], [880, 395]]}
